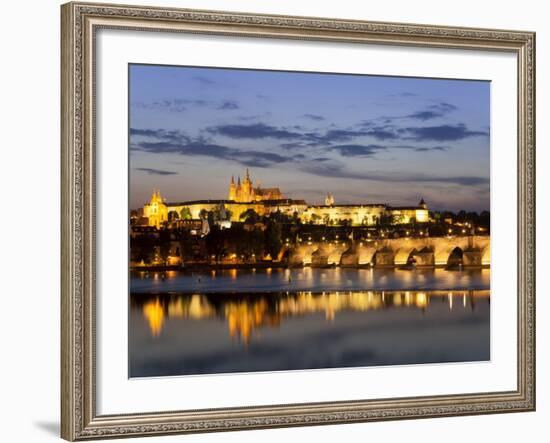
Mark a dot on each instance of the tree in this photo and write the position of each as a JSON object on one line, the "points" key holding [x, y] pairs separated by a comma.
{"points": [[164, 245], [215, 243], [185, 213], [386, 219], [173, 215], [273, 239], [249, 216]]}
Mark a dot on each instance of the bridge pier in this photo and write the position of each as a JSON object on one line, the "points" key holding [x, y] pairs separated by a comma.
{"points": [[424, 259], [472, 258], [384, 259]]}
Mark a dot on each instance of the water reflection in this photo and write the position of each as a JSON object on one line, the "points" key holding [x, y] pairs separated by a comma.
{"points": [[268, 319], [307, 279], [244, 314]]}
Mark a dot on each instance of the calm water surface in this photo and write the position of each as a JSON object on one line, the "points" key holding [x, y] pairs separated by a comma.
{"points": [[244, 320]]}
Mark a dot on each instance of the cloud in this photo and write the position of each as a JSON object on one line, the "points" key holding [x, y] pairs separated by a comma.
{"points": [[163, 134], [433, 148], [152, 171], [263, 97], [437, 110], [294, 145], [358, 150], [443, 107], [178, 105], [314, 117], [296, 138], [228, 105], [171, 105], [382, 134], [440, 133], [175, 142], [344, 135], [205, 81], [254, 131], [424, 115], [337, 170]]}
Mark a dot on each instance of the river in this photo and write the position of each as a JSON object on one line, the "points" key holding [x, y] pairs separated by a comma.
{"points": [[234, 320]]}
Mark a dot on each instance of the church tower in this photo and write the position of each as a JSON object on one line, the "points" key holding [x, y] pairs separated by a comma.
{"points": [[232, 190], [156, 210], [247, 191]]}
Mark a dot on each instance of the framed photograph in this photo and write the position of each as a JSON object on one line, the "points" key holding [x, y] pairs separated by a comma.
{"points": [[283, 221]]}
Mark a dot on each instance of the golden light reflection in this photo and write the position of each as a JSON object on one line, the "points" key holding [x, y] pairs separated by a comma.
{"points": [[246, 314], [154, 313]]}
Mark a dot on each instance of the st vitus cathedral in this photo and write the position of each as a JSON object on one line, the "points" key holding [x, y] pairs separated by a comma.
{"points": [[245, 192]]}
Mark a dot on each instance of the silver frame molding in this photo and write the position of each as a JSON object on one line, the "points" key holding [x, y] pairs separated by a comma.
{"points": [[79, 22]]}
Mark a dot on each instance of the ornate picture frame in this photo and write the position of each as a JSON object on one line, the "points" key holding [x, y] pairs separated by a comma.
{"points": [[80, 22]]}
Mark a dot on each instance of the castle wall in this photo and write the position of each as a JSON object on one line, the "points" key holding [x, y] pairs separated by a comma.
{"points": [[359, 215]]}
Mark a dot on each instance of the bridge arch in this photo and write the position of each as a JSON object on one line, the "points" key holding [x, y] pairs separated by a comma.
{"points": [[403, 254], [319, 258], [384, 257], [455, 258], [365, 254]]}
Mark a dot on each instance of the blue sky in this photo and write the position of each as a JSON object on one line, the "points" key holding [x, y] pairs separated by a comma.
{"points": [[365, 139]]}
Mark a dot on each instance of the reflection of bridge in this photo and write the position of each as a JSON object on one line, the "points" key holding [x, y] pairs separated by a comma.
{"points": [[469, 251]]}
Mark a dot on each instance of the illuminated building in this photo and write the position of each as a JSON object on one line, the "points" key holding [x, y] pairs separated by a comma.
{"points": [[156, 211], [244, 196], [247, 193]]}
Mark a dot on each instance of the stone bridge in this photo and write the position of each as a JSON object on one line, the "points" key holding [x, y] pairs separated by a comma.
{"points": [[470, 251]]}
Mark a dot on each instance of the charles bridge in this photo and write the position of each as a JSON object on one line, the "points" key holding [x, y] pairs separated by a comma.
{"points": [[469, 251]]}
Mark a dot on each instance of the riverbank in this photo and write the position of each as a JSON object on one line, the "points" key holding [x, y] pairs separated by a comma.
{"points": [[282, 265]]}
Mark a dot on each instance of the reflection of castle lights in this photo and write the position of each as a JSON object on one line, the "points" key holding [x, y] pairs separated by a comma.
{"points": [[154, 314], [247, 314], [421, 300]]}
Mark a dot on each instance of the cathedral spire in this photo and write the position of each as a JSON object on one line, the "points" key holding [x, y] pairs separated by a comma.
{"points": [[239, 181]]}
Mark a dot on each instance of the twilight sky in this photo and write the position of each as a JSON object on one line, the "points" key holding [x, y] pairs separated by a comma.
{"points": [[365, 139]]}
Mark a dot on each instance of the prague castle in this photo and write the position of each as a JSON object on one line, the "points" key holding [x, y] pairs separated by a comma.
{"points": [[243, 196], [246, 192]]}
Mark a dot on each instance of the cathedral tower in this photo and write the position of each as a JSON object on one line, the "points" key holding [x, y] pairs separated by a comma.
{"points": [[232, 190]]}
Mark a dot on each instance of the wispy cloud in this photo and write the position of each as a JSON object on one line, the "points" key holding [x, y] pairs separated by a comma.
{"points": [[314, 117], [205, 81], [338, 170], [228, 105], [165, 142], [254, 131], [440, 133], [152, 171], [179, 105], [358, 150]]}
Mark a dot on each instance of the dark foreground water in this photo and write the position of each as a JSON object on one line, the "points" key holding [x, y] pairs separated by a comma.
{"points": [[242, 321]]}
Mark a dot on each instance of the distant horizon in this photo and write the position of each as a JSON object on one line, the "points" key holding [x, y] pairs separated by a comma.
{"points": [[364, 139]]}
